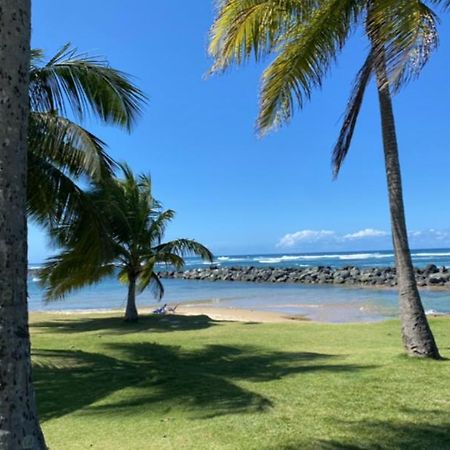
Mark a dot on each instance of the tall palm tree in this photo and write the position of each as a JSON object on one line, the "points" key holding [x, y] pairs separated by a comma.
{"points": [[18, 415], [305, 37], [121, 234], [60, 150]]}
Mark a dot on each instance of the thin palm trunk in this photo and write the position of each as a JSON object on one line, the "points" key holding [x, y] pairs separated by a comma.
{"points": [[19, 425], [417, 337], [131, 314]]}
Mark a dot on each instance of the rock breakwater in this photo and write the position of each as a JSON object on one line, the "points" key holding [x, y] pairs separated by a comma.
{"points": [[429, 276]]}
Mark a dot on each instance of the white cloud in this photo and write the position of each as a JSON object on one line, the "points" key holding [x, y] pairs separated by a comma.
{"points": [[305, 236], [327, 237], [364, 234], [367, 238]]}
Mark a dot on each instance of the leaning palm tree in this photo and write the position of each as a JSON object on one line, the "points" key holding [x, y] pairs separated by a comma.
{"points": [[120, 234], [305, 38], [60, 151]]}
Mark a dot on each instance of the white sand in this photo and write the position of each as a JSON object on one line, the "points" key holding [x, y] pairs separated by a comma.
{"points": [[237, 315]]}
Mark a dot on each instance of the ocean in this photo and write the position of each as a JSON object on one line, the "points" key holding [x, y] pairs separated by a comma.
{"points": [[318, 302]]}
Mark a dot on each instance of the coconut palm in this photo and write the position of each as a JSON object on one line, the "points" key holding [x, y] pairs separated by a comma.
{"points": [[60, 151], [19, 420], [305, 38], [121, 234]]}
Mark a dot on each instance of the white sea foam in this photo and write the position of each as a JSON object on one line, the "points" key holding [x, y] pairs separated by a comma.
{"points": [[315, 258], [278, 259], [430, 255], [343, 257], [365, 256], [352, 256], [269, 261], [231, 259]]}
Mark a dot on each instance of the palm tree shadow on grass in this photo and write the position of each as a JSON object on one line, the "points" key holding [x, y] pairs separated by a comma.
{"points": [[116, 325], [420, 433], [421, 429], [204, 381]]}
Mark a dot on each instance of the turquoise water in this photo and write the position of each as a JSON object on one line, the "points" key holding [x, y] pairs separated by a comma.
{"points": [[324, 303]]}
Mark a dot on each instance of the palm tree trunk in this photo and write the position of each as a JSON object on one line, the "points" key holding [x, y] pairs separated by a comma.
{"points": [[417, 337], [131, 314], [19, 425]]}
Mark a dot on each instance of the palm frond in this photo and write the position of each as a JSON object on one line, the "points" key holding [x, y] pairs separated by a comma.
{"points": [[68, 146], [156, 286], [87, 85], [148, 277], [68, 272], [53, 197], [351, 115], [123, 275], [185, 247], [158, 226], [403, 35], [246, 28], [145, 274], [170, 259], [304, 58], [87, 232]]}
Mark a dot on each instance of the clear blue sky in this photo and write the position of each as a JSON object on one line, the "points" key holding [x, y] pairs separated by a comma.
{"points": [[231, 190]]}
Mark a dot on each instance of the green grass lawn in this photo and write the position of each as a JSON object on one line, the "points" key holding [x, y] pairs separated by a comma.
{"points": [[192, 383]]}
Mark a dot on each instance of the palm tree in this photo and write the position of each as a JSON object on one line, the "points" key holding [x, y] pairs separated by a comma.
{"points": [[60, 151], [19, 421], [305, 38], [121, 234]]}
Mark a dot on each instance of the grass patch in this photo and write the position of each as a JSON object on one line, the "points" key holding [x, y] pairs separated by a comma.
{"points": [[193, 383]]}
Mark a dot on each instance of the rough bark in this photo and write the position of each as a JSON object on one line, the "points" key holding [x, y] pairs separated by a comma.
{"points": [[19, 425], [131, 314], [417, 337]]}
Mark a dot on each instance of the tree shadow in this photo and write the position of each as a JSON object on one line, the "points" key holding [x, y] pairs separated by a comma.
{"points": [[204, 381], [116, 325], [425, 430], [68, 380]]}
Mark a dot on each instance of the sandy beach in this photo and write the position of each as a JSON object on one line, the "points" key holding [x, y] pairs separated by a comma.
{"points": [[214, 313], [237, 314]]}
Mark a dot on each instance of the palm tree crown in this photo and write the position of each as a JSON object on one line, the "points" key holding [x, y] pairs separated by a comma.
{"points": [[61, 151], [122, 233], [307, 36]]}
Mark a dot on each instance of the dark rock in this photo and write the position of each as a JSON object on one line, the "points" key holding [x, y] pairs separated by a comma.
{"points": [[431, 275]]}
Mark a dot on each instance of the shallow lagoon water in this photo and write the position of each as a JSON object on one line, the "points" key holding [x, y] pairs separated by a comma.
{"points": [[321, 303]]}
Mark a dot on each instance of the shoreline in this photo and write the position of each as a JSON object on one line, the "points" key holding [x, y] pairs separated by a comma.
{"points": [[221, 314]]}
